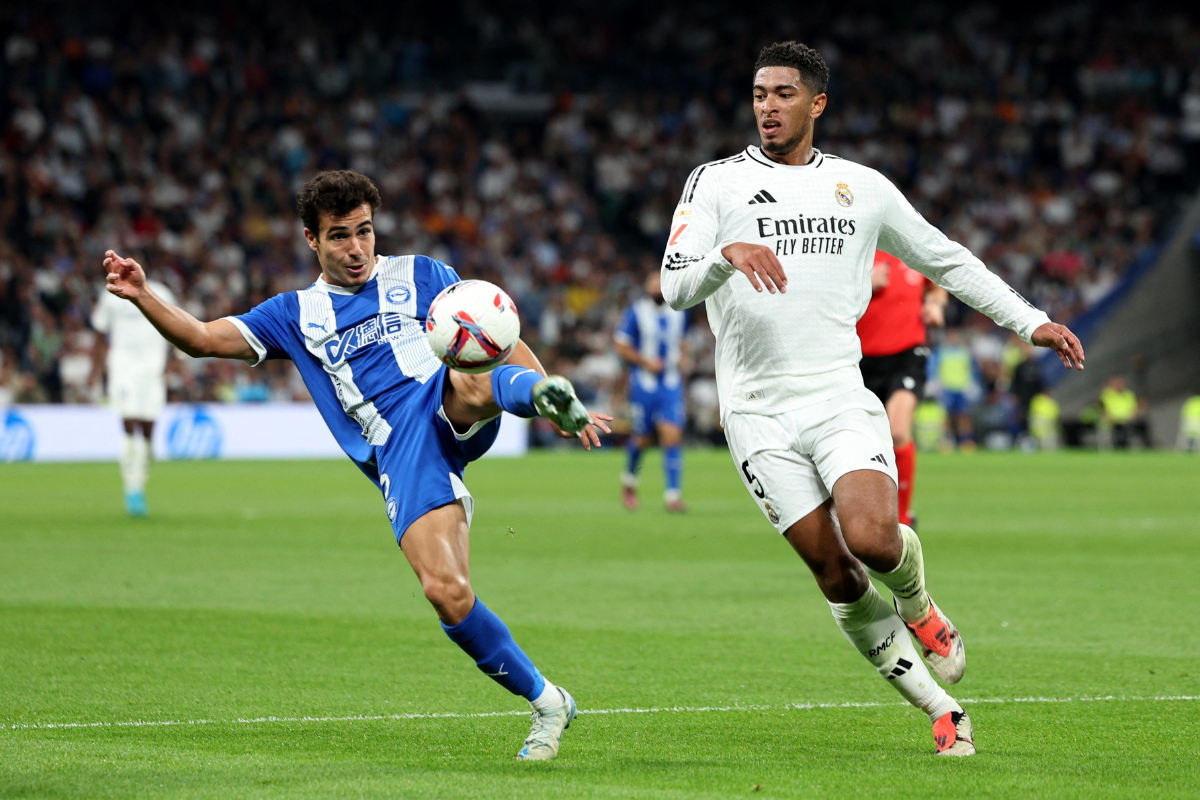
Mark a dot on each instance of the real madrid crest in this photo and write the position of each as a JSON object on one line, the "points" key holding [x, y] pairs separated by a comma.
{"points": [[843, 194], [772, 514]]}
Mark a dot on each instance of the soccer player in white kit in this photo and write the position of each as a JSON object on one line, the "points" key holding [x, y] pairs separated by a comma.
{"points": [[812, 444], [135, 363]]}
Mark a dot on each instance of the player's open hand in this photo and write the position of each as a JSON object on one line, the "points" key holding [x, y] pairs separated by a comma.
{"points": [[126, 278], [588, 435], [758, 263], [1060, 339]]}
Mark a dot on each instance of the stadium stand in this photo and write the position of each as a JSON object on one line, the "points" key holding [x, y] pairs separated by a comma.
{"points": [[548, 156]]}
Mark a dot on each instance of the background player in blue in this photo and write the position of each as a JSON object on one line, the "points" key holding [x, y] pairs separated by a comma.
{"points": [[650, 338], [410, 424]]}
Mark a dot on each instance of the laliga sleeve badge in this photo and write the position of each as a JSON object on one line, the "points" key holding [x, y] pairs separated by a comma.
{"points": [[843, 194]]}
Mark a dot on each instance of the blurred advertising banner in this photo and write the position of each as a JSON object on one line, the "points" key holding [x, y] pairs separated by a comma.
{"points": [[192, 431]]}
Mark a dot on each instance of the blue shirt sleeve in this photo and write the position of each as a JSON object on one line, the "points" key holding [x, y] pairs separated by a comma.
{"points": [[270, 326], [628, 331], [431, 276]]}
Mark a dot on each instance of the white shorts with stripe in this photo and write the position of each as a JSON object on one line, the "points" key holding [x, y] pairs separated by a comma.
{"points": [[789, 462]]}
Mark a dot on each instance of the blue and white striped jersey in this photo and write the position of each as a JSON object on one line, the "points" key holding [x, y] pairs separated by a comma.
{"points": [[655, 331], [360, 351]]}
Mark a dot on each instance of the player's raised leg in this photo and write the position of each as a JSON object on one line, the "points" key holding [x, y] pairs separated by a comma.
{"points": [[873, 627], [521, 387], [437, 546], [892, 553]]}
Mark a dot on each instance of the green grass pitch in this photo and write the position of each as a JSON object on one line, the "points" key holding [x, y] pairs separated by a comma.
{"points": [[261, 590]]}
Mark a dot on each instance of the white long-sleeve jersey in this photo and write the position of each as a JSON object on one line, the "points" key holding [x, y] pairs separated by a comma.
{"points": [[824, 220]]}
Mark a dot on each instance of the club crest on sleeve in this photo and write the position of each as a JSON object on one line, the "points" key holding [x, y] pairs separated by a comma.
{"points": [[772, 514], [843, 194]]}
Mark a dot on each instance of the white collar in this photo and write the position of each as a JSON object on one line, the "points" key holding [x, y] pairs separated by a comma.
{"points": [[756, 154]]}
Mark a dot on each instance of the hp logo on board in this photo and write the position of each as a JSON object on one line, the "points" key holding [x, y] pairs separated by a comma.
{"points": [[194, 433], [16, 438]]}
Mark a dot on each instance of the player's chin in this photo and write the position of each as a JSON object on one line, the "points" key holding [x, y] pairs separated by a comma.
{"points": [[356, 274]]}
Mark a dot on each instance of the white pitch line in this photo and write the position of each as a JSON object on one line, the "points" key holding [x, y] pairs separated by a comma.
{"points": [[654, 710]]}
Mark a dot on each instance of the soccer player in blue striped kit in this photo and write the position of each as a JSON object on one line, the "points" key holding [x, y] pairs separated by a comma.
{"points": [[650, 339], [357, 335]]}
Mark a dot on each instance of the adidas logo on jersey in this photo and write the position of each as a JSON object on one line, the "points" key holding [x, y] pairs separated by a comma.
{"points": [[879, 459], [762, 197]]}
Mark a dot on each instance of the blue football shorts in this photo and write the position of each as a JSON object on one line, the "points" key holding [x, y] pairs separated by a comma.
{"points": [[421, 465], [648, 409]]}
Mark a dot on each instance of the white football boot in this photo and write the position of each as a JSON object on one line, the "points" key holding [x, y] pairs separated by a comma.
{"points": [[555, 399], [941, 645], [954, 735], [542, 742]]}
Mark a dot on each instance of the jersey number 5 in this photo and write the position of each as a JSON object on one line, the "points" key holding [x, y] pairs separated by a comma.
{"points": [[750, 479]]}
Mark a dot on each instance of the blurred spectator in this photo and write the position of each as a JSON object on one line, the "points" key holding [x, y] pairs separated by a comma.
{"points": [[1024, 377], [996, 420], [955, 377], [1044, 421], [1189, 425], [1122, 416]]}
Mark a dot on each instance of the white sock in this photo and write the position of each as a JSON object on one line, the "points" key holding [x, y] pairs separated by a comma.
{"points": [[139, 464], [672, 495], [907, 580], [876, 631], [127, 459], [629, 480], [550, 698]]}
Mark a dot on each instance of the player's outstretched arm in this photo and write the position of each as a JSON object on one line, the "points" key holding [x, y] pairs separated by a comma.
{"points": [[220, 339]]}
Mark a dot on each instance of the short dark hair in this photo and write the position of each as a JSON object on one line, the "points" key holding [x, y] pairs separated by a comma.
{"points": [[337, 192], [800, 57]]}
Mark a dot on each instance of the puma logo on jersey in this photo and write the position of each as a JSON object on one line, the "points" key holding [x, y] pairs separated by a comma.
{"points": [[762, 197]]}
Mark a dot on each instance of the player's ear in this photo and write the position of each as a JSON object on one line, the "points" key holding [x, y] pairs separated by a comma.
{"points": [[311, 238], [818, 105]]}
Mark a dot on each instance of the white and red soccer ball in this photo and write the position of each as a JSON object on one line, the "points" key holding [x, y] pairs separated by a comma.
{"points": [[472, 326]]}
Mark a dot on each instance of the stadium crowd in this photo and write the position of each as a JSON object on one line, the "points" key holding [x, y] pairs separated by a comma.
{"points": [[545, 151]]}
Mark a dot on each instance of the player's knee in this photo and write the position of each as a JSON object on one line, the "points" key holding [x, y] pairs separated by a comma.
{"points": [[874, 539], [451, 595], [841, 579], [472, 390]]}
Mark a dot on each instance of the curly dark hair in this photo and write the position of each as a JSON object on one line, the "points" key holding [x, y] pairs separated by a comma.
{"points": [[800, 57], [337, 192]]}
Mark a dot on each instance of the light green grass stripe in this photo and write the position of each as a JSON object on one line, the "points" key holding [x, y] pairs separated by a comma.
{"points": [[656, 710]]}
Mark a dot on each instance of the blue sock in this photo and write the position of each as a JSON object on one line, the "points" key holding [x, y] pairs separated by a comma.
{"points": [[633, 456], [673, 467], [512, 388], [484, 637]]}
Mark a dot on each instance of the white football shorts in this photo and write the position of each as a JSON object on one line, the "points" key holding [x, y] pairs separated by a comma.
{"points": [[789, 462], [137, 396]]}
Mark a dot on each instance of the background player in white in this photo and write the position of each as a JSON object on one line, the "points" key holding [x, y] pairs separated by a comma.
{"points": [[810, 441], [650, 339], [133, 357], [407, 422]]}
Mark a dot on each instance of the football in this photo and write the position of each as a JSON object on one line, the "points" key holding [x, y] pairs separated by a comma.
{"points": [[472, 326]]}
